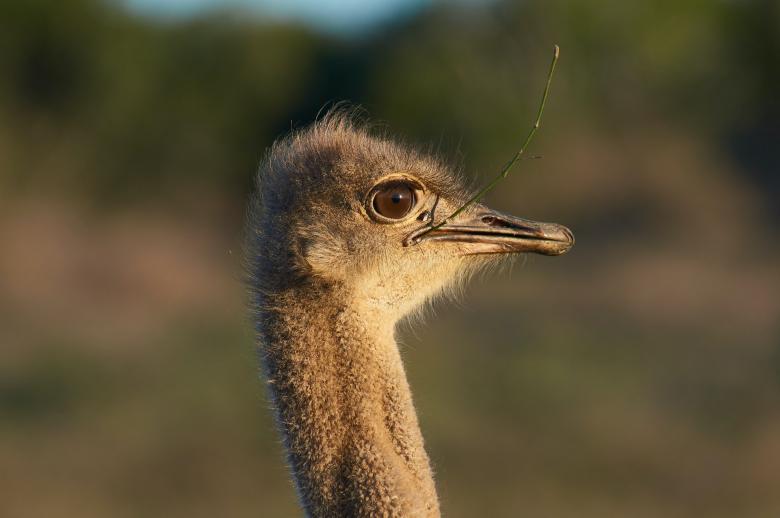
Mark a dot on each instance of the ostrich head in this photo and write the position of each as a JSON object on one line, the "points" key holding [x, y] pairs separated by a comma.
{"points": [[339, 207], [341, 247]]}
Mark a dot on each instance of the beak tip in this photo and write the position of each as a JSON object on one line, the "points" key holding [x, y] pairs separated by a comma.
{"points": [[569, 237], [566, 243], [561, 240]]}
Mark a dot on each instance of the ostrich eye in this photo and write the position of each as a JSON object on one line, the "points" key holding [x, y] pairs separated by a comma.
{"points": [[394, 200]]}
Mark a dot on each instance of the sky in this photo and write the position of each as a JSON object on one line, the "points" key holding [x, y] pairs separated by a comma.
{"points": [[339, 16]]}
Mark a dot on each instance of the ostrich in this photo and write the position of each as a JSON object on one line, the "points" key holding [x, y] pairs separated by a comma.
{"points": [[337, 256]]}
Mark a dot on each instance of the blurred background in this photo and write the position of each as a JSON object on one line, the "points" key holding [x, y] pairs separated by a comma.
{"points": [[639, 375]]}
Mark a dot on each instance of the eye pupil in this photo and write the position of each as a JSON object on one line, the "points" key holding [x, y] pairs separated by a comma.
{"points": [[394, 200]]}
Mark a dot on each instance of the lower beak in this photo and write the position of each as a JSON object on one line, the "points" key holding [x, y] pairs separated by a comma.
{"points": [[490, 232]]}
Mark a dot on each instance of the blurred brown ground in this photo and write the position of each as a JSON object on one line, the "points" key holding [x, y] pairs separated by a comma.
{"points": [[638, 375]]}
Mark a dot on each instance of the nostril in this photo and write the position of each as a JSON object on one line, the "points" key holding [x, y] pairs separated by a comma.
{"points": [[493, 221], [497, 222]]}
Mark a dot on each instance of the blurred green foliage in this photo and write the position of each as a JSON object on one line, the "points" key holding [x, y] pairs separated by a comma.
{"points": [[144, 105]]}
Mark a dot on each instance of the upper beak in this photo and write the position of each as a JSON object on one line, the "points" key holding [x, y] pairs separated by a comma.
{"points": [[490, 232]]}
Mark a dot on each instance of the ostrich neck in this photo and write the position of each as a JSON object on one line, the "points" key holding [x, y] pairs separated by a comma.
{"points": [[344, 407]]}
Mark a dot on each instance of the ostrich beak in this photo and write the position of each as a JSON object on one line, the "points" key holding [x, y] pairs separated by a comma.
{"points": [[489, 232]]}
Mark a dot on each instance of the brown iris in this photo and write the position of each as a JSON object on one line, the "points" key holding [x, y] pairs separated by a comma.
{"points": [[394, 200]]}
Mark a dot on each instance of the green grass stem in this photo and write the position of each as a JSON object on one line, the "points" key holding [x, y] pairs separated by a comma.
{"points": [[505, 170]]}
